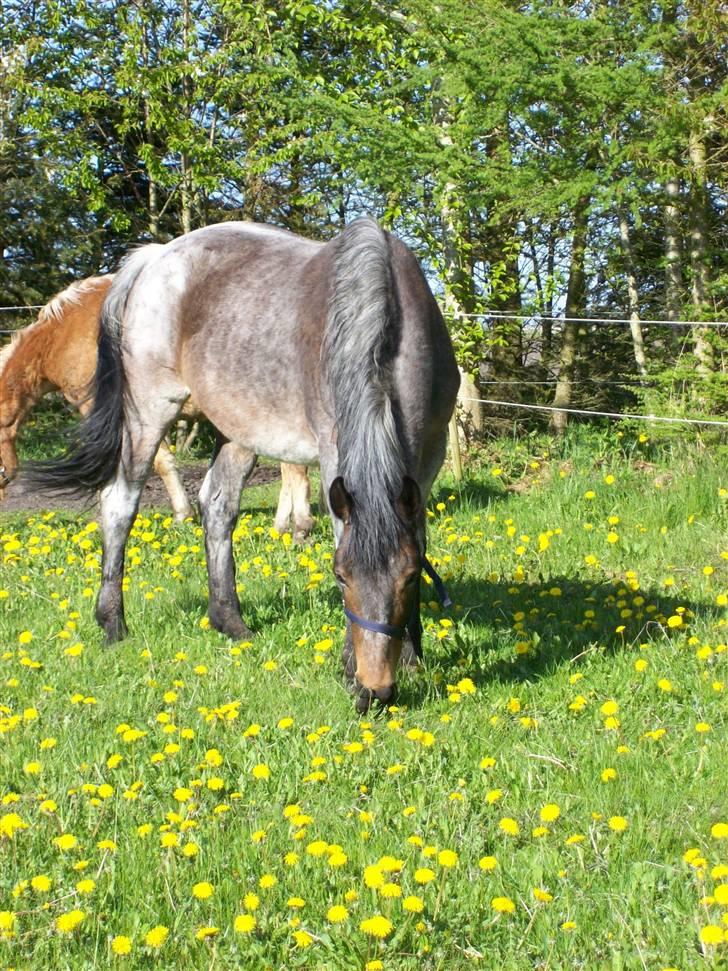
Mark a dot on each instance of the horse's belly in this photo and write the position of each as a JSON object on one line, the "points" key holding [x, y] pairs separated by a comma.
{"points": [[285, 436]]}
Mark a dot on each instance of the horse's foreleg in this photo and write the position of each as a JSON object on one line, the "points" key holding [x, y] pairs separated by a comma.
{"points": [[166, 469], [220, 505]]}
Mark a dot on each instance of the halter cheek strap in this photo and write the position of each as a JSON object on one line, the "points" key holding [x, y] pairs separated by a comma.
{"points": [[442, 595], [399, 631]]}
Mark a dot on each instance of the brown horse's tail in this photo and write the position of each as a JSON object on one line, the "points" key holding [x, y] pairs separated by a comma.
{"points": [[94, 452]]}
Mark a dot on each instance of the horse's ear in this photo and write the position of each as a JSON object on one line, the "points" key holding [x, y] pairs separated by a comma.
{"points": [[409, 504], [340, 501]]}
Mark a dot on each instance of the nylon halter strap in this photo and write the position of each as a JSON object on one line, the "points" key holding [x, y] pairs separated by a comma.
{"points": [[399, 631]]}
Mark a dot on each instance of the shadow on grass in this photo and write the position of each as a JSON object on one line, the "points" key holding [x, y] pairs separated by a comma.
{"points": [[564, 618]]}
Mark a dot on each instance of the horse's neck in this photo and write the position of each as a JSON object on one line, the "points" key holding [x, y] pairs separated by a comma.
{"points": [[23, 382]]}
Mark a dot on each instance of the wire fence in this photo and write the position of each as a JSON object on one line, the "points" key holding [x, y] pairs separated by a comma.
{"points": [[601, 321], [496, 315], [621, 415]]}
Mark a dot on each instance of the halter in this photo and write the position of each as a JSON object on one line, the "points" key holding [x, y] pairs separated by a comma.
{"points": [[399, 631]]}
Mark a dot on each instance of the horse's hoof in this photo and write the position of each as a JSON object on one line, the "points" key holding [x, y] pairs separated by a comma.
{"points": [[115, 632], [232, 627]]}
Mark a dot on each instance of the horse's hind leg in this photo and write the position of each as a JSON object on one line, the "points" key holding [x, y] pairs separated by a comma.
{"points": [[119, 502], [219, 506], [166, 469]]}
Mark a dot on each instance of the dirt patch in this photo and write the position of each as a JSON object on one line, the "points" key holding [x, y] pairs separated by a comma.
{"points": [[19, 497]]}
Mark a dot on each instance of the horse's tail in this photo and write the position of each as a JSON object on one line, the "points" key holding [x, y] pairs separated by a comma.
{"points": [[95, 447], [360, 343]]}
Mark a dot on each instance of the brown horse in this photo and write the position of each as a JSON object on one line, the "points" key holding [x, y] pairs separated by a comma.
{"points": [[58, 353], [332, 352]]}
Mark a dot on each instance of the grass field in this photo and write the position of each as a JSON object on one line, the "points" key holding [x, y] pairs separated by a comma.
{"points": [[550, 792]]}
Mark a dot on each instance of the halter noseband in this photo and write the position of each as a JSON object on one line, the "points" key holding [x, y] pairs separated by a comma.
{"points": [[399, 631]]}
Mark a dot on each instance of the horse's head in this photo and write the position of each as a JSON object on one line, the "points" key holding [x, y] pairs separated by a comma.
{"points": [[380, 600]]}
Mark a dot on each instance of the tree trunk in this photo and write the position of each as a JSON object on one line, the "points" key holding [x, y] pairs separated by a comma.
{"points": [[673, 251], [635, 325], [699, 257], [186, 187], [575, 296], [457, 283]]}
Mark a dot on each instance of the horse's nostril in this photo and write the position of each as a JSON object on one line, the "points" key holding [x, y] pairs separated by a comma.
{"points": [[365, 696]]}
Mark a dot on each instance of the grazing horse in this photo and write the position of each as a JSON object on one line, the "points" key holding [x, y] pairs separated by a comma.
{"points": [[58, 353], [307, 352]]}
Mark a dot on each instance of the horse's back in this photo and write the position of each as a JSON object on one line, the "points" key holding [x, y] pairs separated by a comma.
{"points": [[230, 303]]}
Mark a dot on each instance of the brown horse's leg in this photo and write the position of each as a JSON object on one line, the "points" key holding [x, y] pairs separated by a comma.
{"points": [[285, 500], [295, 501], [302, 518], [220, 505], [166, 469]]}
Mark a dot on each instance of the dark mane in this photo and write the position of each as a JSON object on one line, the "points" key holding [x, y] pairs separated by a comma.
{"points": [[362, 338]]}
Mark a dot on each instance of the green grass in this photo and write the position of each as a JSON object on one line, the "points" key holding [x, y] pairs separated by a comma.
{"points": [[559, 611]]}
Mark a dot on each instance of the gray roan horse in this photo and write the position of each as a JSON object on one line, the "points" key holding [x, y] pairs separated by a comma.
{"points": [[306, 352]]}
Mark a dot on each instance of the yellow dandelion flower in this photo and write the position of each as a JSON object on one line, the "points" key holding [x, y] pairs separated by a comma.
{"points": [[542, 895], [7, 924], [377, 926], [424, 875], [121, 945], [245, 924], [721, 892], [712, 935], [251, 901], [203, 890], [618, 823], [68, 922], [509, 826], [413, 904], [503, 905], [550, 813], [156, 937], [66, 841], [447, 858], [337, 914]]}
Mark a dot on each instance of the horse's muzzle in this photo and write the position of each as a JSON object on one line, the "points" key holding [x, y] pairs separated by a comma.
{"points": [[365, 697]]}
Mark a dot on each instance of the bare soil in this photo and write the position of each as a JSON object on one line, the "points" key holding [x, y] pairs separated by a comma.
{"points": [[19, 497]]}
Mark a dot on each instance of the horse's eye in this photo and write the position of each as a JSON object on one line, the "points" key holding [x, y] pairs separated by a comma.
{"points": [[340, 579], [410, 579]]}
